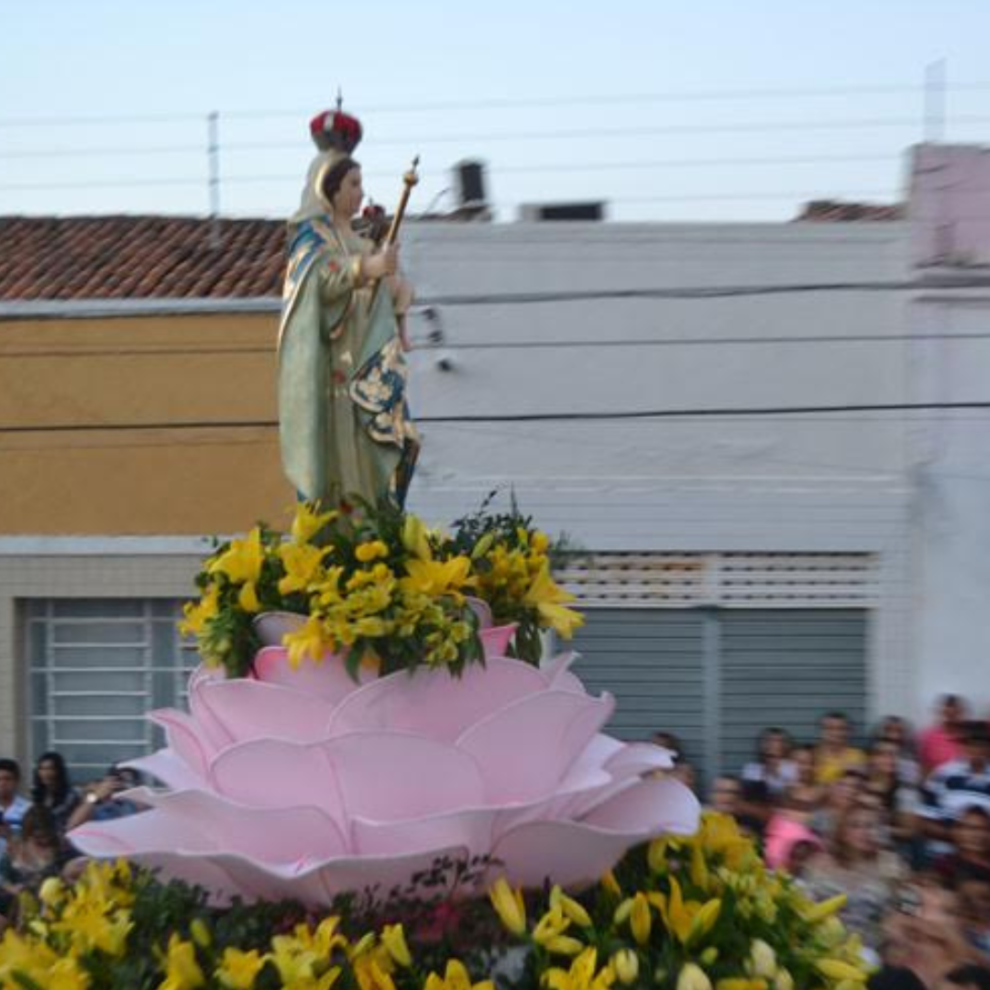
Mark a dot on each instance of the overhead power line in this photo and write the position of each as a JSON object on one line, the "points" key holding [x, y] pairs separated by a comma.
{"points": [[509, 103], [705, 412], [504, 345]]}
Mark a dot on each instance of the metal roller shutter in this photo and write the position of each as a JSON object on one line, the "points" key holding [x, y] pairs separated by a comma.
{"points": [[786, 667], [652, 661]]}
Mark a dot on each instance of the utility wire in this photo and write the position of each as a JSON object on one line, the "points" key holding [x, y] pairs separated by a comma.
{"points": [[509, 103], [674, 292], [724, 412], [509, 345]]}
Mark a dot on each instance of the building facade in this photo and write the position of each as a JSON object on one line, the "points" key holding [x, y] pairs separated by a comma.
{"points": [[726, 419]]}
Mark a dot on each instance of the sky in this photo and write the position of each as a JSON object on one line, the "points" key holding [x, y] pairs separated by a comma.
{"points": [[708, 110]]}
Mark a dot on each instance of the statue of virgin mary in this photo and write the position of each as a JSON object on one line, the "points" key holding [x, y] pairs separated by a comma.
{"points": [[344, 424]]}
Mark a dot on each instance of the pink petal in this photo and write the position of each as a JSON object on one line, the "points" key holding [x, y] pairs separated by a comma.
{"points": [[249, 709], [434, 704], [277, 773], [639, 758], [185, 737], [525, 749], [482, 611], [391, 775], [471, 828], [495, 640], [568, 853], [326, 679], [267, 835], [653, 806], [165, 765]]}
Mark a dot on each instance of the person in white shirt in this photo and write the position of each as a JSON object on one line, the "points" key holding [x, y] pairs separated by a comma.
{"points": [[13, 806]]}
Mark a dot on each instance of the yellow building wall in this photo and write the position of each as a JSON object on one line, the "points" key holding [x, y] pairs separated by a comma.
{"points": [[162, 369]]}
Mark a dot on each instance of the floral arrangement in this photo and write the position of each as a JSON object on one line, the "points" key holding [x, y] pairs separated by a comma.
{"points": [[688, 914], [378, 587]]}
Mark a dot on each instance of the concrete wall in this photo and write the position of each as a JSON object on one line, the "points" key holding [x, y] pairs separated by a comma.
{"points": [[779, 483], [139, 369]]}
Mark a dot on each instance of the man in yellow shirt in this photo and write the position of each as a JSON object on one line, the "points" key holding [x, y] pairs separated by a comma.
{"points": [[834, 755]]}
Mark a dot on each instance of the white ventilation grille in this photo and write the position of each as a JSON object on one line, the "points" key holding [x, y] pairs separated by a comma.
{"points": [[749, 580]]}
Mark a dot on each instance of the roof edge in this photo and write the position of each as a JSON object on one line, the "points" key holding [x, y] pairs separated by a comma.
{"points": [[51, 309]]}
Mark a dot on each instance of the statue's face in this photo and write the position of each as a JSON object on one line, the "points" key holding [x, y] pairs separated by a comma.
{"points": [[347, 200]]}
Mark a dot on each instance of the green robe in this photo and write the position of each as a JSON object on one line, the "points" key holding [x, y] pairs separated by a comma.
{"points": [[344, 425]]}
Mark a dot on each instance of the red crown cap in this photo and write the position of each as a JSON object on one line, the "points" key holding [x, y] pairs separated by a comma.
{"points": [[334, 129]]}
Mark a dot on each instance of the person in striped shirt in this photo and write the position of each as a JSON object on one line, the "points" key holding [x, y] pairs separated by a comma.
{"points": [[958, 784]]}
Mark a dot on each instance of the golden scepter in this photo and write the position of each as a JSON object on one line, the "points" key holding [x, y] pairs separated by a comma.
{"points": [[409, 179]]}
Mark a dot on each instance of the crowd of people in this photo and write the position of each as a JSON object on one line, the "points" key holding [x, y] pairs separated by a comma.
{"points": [[33, 831], [900, 826]]}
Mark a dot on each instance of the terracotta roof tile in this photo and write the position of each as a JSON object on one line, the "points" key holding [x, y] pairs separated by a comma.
{"points": [[139, 257]]}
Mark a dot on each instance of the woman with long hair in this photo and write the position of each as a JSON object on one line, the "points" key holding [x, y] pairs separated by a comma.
{"points": [[31, 857], [53, 789], [856, 864]]}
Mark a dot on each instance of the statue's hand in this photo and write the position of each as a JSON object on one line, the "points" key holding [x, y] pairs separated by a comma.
{"points": [[382, 263]]}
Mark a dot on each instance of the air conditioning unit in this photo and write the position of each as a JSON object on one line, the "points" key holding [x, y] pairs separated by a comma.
{"points": [[592, 210]]}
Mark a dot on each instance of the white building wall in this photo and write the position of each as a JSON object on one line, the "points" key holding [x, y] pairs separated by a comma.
{"points": [[951, 514], [782, 483]]}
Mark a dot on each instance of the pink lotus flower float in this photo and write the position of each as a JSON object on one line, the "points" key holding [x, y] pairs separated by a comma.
{"points": [[303, 783]]}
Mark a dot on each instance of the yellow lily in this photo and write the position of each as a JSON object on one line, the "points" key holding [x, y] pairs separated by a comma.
{"points": [[242, 560], [570, 907], [370, 973], [241, 563], [238, 970], [310, 640], [693, 977], [547, 597], [719, 835], [394, 940], [836, 969], [581, 975], [66, 974], [688, 921], [414, 538], [437, 577], [509, 906], [699, 867], [564, 945], [825, 909], [551, 925], [625, 962], [762, 960], [456, 977], [197, 614], [308, 522], [302, 566], [366, 552], [640, 921], [611, 884], [740, 983], [182, 971]]}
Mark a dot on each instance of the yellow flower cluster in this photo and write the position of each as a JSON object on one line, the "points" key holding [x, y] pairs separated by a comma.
{"points": [[701, 913], [81, 933], [694, 904], [69, 927], [379, 589], [513, 577]]}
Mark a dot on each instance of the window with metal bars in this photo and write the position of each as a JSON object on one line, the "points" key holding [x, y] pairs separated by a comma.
{"points": [[95, 667]]}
